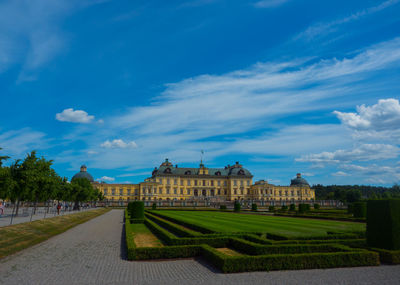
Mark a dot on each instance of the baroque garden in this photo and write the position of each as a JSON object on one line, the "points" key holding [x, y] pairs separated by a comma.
{"points": [[200, 212]]}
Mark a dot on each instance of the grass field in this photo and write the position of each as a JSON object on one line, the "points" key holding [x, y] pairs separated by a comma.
{"points": [[234, 222]]}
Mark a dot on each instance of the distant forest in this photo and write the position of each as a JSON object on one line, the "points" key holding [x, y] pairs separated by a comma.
{"points": [[352, 193]]}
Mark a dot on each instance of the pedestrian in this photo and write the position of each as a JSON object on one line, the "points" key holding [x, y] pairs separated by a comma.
{"points": [[58, 208], [1, 208]]}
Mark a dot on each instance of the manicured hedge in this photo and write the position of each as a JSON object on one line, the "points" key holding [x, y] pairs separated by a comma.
{"points": [[254, 207], [144, 253], [292, 207], [388, 256], [359, 209], [236, 207], [303, 208], [316, 206], [222, 207], [284, 208], [174, 228], [299, 261], [188, 225], [136, 211], [154, 206], [252, 248], [383, 224], [271, 208]]}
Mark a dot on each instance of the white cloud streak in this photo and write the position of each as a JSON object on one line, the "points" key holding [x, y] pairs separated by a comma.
{"points": [[118, 143]]}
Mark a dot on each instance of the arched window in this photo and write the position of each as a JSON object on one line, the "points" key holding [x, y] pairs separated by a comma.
{"points": [[218, 173], [168, 170], [241, 172], [188, 172]]}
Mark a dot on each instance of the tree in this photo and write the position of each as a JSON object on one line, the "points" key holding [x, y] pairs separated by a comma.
{"points": [[353, 196], [3, 157], [82, 191]]}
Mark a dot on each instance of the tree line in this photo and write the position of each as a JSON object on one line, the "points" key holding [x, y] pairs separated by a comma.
{"points": [[354, 193], [34, 180]]}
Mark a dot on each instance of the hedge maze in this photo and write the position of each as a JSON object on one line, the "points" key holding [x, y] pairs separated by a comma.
{"points": [[249, 251]]}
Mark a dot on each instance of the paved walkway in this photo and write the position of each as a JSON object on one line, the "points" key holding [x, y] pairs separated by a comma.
{"points": [[94, 253]]}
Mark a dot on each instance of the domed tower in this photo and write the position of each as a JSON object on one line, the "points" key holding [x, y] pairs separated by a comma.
{"points": [[83, 174], [299, 181]]}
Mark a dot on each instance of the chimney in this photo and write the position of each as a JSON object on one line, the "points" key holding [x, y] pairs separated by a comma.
{"points": [[298, 175], [83, 168]]}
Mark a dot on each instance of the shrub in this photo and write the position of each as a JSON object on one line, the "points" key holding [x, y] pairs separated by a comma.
{"points": [[284, 208], [383, 223], [237, 207], [271, 208], [222, 207], [154, 206], [292, 207], [254, 207], [303, 208], [350, 209], [136, 211], [316, 206], [360, 209]]}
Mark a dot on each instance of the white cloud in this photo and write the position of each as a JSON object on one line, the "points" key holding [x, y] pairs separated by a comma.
{"points": [[374, 173], [270, 3], [77, 116], [384, 116], [364, 152], [340, 173], [106, 178], [118, 143]]}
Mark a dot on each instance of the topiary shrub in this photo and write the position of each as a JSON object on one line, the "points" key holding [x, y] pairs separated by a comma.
{"points": [[136, 211], [316, 206], [359, 209], [271, 208], [303, 208], [154, 206], [292, 207], [236, 207], [383, 224], [350, 209], [222, 207], [254, 207], [284, 208]]}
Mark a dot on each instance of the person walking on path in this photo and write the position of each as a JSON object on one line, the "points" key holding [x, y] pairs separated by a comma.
{"points": [[1, 208], [58, 208]]}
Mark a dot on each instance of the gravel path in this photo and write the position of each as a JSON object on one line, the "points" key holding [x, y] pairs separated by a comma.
{"points": [[93, 253]]}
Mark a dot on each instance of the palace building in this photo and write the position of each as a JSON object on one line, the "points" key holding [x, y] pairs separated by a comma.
{"points": [[233, 182]]}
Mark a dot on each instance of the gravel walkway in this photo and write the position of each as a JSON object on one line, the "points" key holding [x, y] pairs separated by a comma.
{"points": [[93, 253]]}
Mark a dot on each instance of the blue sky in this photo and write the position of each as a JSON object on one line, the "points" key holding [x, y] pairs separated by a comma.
{"points": [[283, 86]]}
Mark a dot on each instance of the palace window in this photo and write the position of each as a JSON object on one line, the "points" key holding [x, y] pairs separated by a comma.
{"points": [[225, 183], [241, 172], [160, 190], [168, 170], [188, 172], [292, 193], [167, 191], [218, 173], [168, 182], [241, 182], [105, 191], [129, 191], [181, 182], [286, 193], [212, 182], [113, 191], [188, 182], [188, 191], [234, 182], [248, 182], [181, 191], [175, 191], [204, 183], [175, 181], [160, 180], [235, 192], [225, 192], [219, 191], [241, 191], [195, 183], [136, 191], [219, 183], [280, 193]]}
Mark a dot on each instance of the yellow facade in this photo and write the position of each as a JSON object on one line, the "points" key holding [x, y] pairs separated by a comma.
{"points": [[230, 183]]}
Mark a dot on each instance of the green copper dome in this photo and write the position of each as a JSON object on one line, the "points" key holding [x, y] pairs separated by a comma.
{"points": [[83, 174]]}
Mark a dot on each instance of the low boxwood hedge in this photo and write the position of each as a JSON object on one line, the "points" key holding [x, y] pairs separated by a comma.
{"points": [[172, 227]]}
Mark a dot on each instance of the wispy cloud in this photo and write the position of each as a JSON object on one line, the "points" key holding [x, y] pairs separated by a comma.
{"points": [[106, 178], [270, 3], [118, 143], [31, 34], [214, 112], [19, 142], [326, 28]]}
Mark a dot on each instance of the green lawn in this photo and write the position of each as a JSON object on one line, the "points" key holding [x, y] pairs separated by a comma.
{"points": [[234, 222]]}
